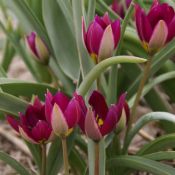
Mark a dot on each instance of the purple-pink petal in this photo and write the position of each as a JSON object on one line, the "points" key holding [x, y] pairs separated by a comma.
{"points": [[171, 30], [41, 132], [61, 100], [94, 36], [116, 31], [98, 103], [31, 42], [72, 113], [91, 126], [110, 121], [13, 122]]}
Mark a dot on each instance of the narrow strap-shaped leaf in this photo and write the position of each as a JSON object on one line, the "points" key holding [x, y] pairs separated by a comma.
{"points": [[162, 155], [11, 104], [61, 37], [161, 143], [13, 163], [159, 79], [153, 116], [24, 88], [84, 58], [142, 164]]}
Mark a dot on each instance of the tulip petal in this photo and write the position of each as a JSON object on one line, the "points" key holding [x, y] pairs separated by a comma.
{"points": [[13, 122], [83, 110], [159, 36], [30, 41], [116, 31], [61, 100], [106, 19], [41, 49], [48, 106], [110, 121], [58, 121], [143, 26], [91, 127], [98, 103], [94, 36], [26, 135], [37, 103], [107, 44], [41, 132], [171, 30], [72, 113], [160, 12]]}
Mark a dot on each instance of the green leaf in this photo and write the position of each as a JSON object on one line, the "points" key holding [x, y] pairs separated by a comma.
{"points": [[101, 67], [24, 88], [161, 143], [91, 11], [84, 58], [13, 163], [62, 39], [77, 162], [159, 79], [142, 164], [36, 153], [162, 155], [11, 104], [153, 116]]}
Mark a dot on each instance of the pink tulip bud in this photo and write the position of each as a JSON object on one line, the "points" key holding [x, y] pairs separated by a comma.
{"points": [[38, 48], [102, 37], [155, 28], [62, 112]]}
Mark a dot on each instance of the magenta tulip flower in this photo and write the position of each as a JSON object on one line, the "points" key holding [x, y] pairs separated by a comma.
{"points": [[33, 125], [155, 28], [62, 112], [119, 7], [37, 47], [99, 119], [102, 37]]}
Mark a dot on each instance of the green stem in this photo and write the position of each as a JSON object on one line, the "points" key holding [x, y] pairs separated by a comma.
{"points": [[43, 165], [96, 169], [114, 69], [65, 156], [138, 95], [101, 67]]}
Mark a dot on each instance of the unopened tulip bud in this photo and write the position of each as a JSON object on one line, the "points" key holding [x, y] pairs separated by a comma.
{"points": [[155, 28], [38, 48]]}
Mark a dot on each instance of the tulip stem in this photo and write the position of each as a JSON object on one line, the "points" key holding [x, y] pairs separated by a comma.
{"points": [[138, 95], [65, 156], [96, 169], [43, 167]]}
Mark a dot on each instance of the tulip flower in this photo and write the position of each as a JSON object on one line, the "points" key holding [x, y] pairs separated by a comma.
{"points": [[62, 112], [99, 119], [38, 48], [155, 28], [101, 37], [33, 125], [119, 7]]}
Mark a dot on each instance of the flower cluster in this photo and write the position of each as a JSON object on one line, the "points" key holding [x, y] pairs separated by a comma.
{"points": [[59, 115]]}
